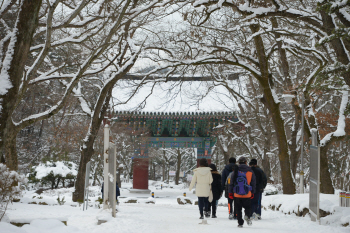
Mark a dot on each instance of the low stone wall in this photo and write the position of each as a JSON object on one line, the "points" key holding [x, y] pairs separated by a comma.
{"points": [[300, 212], [22, 222], [184, 201], [303, 212]]}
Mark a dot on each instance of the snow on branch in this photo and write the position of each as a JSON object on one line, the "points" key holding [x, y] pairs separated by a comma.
{"points": [[340, 131], [341, 121]]}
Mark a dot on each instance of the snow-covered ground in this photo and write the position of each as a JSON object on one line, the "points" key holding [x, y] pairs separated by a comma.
{"points": [[166, 215]]}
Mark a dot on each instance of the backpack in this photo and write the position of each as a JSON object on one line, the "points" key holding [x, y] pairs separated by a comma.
{"points": [[228, 181], [241, 185]]}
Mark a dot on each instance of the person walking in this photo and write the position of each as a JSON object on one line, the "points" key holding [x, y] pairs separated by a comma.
{"points": [[261, 182], [225, 182], [117, 192], [216, 190], [243, 189], [202, 178]]}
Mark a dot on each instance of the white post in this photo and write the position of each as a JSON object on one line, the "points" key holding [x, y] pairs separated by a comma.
{"points": [[105, 166], [302, 146]]}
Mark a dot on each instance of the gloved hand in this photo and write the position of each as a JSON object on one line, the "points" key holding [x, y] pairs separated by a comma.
{"points": [[252, 196], [230, 195]]}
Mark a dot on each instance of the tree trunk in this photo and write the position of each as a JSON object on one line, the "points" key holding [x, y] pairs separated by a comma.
{"points": [[10, 147], [295, 154], [266, 167], [57, 183], [266, 161], [100, 110], [325, 177], [178, 167], [26, 24], [86, 154], [226, 154], [266, 84], [294, 158], [337, 44], [88, 149]]}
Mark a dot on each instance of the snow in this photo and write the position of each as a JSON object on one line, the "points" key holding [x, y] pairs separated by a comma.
{"points": [[166, 215], [5, 82], [59, 169], [291, 203], [341, 121]]}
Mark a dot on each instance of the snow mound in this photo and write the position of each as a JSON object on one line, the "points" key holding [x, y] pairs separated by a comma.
{"points": [[341, 215], [39, 226]]}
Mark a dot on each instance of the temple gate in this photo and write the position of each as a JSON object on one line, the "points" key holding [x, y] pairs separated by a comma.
{"points": [[170, 130]]}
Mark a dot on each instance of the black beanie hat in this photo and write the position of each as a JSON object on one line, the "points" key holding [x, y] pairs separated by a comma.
{"points": [[213, 167]]}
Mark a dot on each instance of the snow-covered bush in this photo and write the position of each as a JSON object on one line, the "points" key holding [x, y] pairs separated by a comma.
{"points": [[8, 190], [52, 173]]}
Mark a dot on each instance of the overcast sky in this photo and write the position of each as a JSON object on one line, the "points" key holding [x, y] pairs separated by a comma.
{"points": [[172, 97]]}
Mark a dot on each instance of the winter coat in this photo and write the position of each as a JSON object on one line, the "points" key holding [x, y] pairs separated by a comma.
{"points": [[117, 191], [225, 173], [202, 176], [251, 180], [227, 170], [216, 185], [261, 179], [227, 183]]}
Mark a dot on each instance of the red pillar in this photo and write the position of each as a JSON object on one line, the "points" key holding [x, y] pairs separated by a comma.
{"points": [[140, 173]]}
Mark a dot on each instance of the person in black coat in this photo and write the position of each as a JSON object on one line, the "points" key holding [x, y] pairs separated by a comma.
{"points": [[117, 193], [224, 175], [216, 190], [261, 182]]}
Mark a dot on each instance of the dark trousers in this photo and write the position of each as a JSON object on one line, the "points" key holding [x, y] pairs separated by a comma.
{"points": [[231, 207], [256, 203], [242, 203], [203, 204], [259, 204], [212, 206]]}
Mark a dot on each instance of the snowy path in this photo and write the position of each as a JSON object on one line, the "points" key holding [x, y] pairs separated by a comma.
{"points": [[163, 217]]}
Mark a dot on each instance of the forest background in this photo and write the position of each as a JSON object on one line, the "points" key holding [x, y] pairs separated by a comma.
{"points": [[62, 62]]}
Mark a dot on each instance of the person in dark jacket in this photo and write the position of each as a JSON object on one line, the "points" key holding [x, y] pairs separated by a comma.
{"points": [[216, 189], [117, 193], [261, 182], [225, 180], [243, 200]]}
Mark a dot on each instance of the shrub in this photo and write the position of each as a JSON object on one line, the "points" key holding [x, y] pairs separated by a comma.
{"points": [[8, 189], [52, 173], [61, 201]]}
